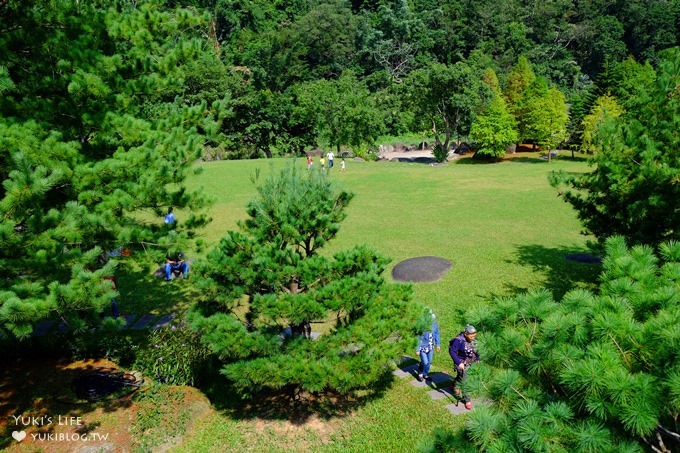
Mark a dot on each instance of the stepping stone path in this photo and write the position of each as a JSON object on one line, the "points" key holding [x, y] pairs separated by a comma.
{"points": [[439, 386]]}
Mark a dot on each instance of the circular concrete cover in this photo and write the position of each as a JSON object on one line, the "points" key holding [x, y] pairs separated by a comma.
{"points": [[421, 270]]}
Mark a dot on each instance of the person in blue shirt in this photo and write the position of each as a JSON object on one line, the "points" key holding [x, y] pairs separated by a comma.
{"points": [[463, 351], [428, 341], [169, 218]]}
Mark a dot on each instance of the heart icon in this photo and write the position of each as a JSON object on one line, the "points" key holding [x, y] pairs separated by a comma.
{"points": [[19, 435]]}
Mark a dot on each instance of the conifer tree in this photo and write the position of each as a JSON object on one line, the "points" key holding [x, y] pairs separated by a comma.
{"points": [[594, 372], [605, 107], [263, 287], [494, 129], [633, 190], [91, 136]]}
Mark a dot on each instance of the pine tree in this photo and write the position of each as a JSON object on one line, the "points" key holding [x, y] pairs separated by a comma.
{"points": [[633, 190], [91, 136], [594, 372], [265, 286]]}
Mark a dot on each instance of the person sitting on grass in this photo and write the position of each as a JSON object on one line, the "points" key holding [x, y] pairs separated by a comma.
{"points": [[174, 262], [463, 351]]}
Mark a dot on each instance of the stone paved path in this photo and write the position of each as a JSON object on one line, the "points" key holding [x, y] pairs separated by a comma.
{"points": [[133, 321], [439, 388]]}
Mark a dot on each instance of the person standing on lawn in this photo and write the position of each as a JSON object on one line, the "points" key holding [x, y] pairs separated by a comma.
{"points": [[428, 341], [463, 351]]}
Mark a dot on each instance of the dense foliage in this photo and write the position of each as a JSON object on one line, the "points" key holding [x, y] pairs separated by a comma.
{"points": [[395, 48], [94, 130], [262, 286], [634, 190], [593, 372]]}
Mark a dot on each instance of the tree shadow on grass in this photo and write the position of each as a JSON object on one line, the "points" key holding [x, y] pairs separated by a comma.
{"points": [[142, 292], [286, 404], [561, 274]]}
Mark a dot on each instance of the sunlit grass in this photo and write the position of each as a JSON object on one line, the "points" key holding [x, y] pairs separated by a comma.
{"points": [[503, 227]]}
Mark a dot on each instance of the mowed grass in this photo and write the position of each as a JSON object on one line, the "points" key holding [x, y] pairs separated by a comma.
{"points": [[501, 225]]}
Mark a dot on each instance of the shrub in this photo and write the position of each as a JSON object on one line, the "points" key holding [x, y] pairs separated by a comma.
{"points": [[172, 355], [440, 153]]}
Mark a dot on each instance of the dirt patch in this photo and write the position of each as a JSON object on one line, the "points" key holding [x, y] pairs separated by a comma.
{"points": [[294, 434], [39, 410]]}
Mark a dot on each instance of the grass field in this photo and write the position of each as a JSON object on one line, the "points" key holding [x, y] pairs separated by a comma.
{"points": [[503, 227]]}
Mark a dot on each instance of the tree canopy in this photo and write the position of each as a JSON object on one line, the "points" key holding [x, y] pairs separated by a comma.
{"points": [[92, 135], [633, 190]]}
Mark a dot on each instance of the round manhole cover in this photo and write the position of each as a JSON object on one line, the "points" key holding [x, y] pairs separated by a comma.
{"points": [[421, 270]]}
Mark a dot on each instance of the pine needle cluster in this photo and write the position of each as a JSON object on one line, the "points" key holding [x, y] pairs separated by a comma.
{"points": [[593, 372]]}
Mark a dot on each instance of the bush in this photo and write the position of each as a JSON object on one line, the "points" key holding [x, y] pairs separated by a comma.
{"points": [[172, 355], [440, 153]]}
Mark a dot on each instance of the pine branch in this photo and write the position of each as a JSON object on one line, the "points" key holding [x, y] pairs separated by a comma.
{"points": [[661, 444], [652, 446], [623, 354], [519, 393], [669, 432]]}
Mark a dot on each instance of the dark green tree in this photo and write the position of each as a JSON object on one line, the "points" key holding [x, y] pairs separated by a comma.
{"points": [[92, 142], [446, 99], [262, 285], [342, 111], [633, 190], [594, 372]]}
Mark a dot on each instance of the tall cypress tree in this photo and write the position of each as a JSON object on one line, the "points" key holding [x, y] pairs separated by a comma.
{"points": [[262, 285]]}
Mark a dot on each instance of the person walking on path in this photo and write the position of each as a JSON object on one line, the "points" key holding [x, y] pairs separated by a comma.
{"points": [[427, 342], [463, 351]]}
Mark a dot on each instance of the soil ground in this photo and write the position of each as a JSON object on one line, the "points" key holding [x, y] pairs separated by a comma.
{"points": [[36, 398]]}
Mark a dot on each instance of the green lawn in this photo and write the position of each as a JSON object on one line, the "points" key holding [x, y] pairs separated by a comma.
{"points": [[503, 227]]}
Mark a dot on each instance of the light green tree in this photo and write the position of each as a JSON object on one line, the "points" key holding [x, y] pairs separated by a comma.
{"points": [[546, 118], [605, 108], [494, 129]]}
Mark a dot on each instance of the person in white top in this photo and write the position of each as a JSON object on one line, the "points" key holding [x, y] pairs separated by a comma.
{"points": [[330, 156]]}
